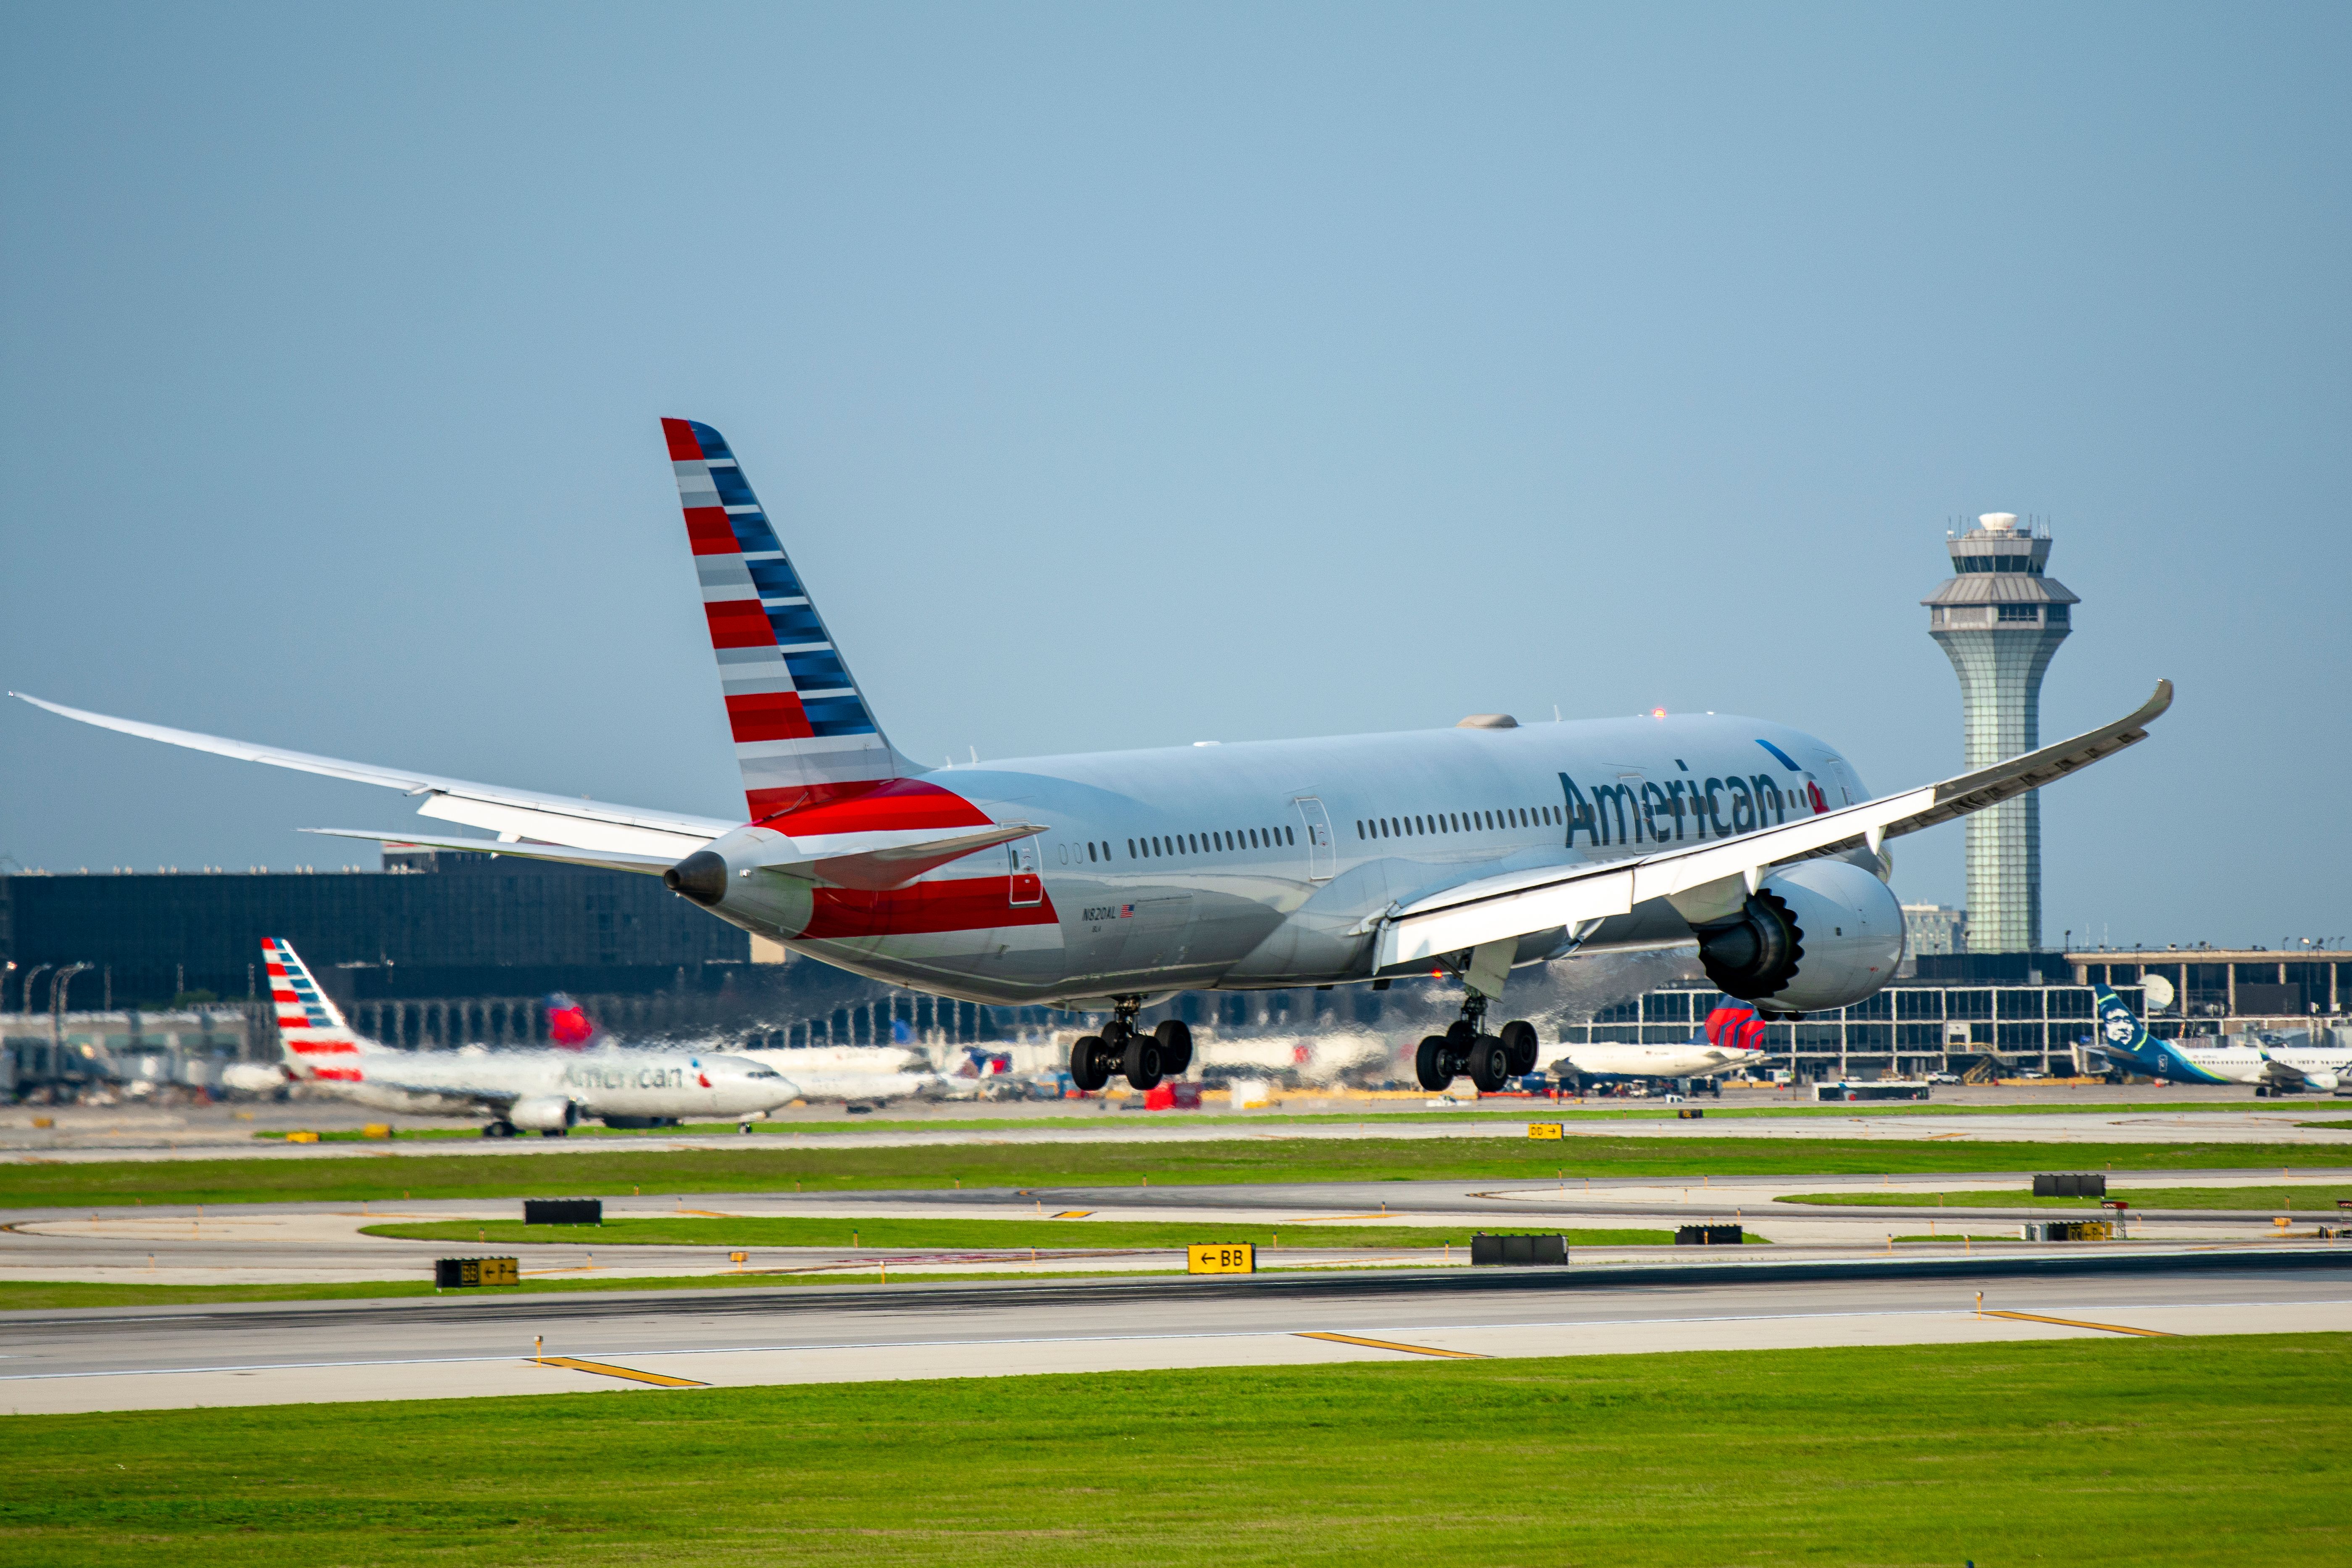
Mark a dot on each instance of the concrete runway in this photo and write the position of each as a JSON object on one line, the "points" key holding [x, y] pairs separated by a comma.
{"points": [[446, 1347]]}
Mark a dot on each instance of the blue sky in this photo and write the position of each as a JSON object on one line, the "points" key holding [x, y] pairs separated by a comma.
{"points": [[1121, 377]]}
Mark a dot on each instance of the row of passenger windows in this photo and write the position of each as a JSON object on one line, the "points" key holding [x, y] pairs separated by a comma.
{"points": [[1222, 841], [1459, 822]]}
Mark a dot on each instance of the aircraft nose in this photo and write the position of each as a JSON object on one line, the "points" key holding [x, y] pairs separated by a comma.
{"points": [[701, 876]]}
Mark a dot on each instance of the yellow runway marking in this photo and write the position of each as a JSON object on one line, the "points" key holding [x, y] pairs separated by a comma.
{"points": [[709, 1213], [630, 1372], [1074, 1213], [2077, 1323], [1393, 1345]]}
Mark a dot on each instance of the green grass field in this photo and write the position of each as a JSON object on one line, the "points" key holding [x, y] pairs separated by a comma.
{"points": [[2186, 1451], [2300, 1200], [952, 1232], [758, 1166]]}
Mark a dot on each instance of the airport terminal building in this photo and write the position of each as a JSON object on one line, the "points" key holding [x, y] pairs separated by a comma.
{"points": [[2031, 1010]]}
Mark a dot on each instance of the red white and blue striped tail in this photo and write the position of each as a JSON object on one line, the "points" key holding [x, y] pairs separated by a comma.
{"points": [[803, 733], [310, 1028]]}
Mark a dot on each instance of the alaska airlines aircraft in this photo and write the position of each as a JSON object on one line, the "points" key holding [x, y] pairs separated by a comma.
{"points": [[1108, 881], [545, 1091], [2206, 1061]]}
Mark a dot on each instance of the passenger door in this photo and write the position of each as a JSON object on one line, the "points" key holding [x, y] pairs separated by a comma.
{"points": [[1322, 855], [1028, 888]]}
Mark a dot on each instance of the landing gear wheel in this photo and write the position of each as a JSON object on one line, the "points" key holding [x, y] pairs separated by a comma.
{"points": [[499, 1130], [555, 1132], [1089, 1062], [1519, 1038], [1462, 1034], [1175, 1037], [1141, 1062], [1429, 1064], [1490, 1064]]}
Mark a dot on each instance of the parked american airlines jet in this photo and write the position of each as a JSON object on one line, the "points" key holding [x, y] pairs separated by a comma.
{"points": [[1111, 880], [546, 1090]]}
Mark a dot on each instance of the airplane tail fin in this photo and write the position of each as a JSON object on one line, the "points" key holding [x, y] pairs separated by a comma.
{"points": [[2121, 1032], [803, 732], [567, 1025], [1735, 1029], [318, 1043]]}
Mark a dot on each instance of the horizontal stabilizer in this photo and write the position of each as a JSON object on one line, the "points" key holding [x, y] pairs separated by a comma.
{"points": [[894, 866], [567, 854], [554, 817]]}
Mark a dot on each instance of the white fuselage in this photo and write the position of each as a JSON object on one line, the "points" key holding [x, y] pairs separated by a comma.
{"points": [[1264, 864], [610, 1082], [816, 1082], [1611, 1058]]}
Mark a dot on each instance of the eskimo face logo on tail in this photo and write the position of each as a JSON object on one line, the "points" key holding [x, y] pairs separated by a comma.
{"points": [[2117, 1024]]}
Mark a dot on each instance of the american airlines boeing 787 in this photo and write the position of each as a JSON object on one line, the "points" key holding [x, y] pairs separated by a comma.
{"points": [[1107, 881]]}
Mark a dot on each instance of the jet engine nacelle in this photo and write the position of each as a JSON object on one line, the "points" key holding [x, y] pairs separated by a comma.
{"points": [[1815, 935], [2321, 1080], [544, 1113]]}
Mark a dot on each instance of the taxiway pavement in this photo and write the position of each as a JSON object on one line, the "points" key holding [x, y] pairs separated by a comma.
{"points": [[166, 1358]]}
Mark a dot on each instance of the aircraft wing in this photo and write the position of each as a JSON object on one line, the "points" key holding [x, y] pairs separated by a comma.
{"points": [[591, 825], [1492, 909]]}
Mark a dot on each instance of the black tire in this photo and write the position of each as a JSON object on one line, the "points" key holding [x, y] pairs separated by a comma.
{"points": [[555, 1132], [1519, 1038], [499, 1129], [1141, 1062], [1175, 1037], [1429, 1064], [1461, 1035], [1089, 1063], [1490, 1064]]}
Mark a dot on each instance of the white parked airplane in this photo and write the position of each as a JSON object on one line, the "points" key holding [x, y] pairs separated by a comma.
{"points": [[547, 1090], [1110, 879], [1732, 1039], [853, 1072]]}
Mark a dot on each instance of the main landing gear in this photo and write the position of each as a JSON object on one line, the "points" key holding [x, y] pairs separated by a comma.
{"points": [[1142, 1059], [1489, 1059]]}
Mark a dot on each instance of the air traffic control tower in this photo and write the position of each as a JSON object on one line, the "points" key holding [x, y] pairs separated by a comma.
{"points": [[1999, 620]]}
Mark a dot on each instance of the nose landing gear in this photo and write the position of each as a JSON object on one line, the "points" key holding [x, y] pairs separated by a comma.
{"points": [[1489, 1059], [1141, 1058]]}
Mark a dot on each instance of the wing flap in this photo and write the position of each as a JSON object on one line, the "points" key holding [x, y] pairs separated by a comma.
{"points": [[1491, 909]]}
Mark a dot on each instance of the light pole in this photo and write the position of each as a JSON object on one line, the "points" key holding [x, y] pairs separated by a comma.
{"points": [[25, 1002], [58, 988]]}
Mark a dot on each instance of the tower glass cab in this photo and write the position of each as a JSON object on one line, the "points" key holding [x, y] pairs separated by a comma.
{"points": [[1999, 618]]}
